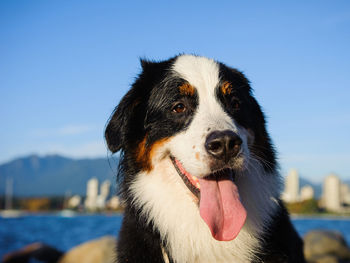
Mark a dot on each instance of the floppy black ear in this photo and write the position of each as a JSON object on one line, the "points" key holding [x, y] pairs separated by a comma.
{"points": [[117, 125], [130, 113]]}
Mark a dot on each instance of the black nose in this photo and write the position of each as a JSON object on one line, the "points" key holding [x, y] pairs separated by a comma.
{"points": [[223, 145]]}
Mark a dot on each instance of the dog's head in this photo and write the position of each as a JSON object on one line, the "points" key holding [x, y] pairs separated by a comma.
{"points": [[202, 116]]}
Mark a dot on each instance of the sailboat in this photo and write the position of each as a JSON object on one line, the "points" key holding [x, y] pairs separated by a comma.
{"points": [[9, 212]]}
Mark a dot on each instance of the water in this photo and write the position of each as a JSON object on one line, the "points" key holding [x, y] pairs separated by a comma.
{"points": [[65, 233], [304, 225], [60, 232]]}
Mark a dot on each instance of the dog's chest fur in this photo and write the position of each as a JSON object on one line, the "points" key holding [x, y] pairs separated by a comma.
{"points": [[165, 203]]}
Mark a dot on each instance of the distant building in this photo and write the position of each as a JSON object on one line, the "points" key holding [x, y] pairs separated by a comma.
{"points": [[104, 193], [345, 194], [105, 188], [113, 203], [331, 198], [91, 194], [291, 188], [306, 193], [74, 202]]}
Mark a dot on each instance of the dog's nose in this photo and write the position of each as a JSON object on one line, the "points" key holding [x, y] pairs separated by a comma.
{"points": [[223, 145]]}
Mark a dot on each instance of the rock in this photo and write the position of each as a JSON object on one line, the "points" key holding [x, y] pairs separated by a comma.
{"points": [[325, 259], [325, 246], [39, 251], [96, 251], [100, 250]]}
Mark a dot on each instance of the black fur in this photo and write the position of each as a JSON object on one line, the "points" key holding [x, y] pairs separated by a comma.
{"points": [[248, 114], [138, 242], [145, 113], [282, 243]]}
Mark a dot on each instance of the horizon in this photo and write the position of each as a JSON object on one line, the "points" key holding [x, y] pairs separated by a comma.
{"points": [[116, 156], [65, 66]]}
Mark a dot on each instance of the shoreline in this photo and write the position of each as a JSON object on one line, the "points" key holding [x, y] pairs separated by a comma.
{"points": [[71, 213], [59, 213], [320, 216]]}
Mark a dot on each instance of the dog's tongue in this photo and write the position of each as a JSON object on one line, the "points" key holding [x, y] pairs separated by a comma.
{"points": [[221, 208]]}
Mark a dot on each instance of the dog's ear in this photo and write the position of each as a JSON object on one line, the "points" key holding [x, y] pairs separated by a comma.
{"points": [[117, 124], [144, 63], [129, 114]]}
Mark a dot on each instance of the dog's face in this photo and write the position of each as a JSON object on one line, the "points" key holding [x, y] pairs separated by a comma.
{"points": [[201, 115]]}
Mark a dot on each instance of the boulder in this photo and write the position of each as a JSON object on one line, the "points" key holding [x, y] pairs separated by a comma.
{"points": [[96, 251], [39, 251], [325, 246]]}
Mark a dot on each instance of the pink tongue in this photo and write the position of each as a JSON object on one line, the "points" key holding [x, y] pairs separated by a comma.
{"points": [[221, 208]]}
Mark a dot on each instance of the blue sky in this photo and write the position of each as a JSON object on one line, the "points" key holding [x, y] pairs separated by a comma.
{"points": [[64, 66]]}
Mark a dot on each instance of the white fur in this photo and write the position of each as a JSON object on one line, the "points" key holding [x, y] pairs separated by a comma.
{"points": [[164, 199], [189, 146], [201, 72], [167, 203]]}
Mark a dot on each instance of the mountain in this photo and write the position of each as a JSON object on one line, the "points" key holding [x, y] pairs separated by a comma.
{"points": [[55, 175]]}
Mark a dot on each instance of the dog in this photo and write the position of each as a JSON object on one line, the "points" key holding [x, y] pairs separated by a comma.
{"points": [[198, 173]]}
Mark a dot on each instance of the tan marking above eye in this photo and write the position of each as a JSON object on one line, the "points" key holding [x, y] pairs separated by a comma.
{"points": [[186, 89], [226, 88]]}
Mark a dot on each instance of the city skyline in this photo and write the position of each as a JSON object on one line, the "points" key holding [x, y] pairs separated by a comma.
{"points": [[64, 67], [335, 195]]}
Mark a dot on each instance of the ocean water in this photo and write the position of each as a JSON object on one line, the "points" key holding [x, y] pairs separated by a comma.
{"points": [[66, 232]]}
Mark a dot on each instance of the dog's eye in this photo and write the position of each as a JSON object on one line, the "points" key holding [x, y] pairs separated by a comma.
{"points": [[179, 108]]}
